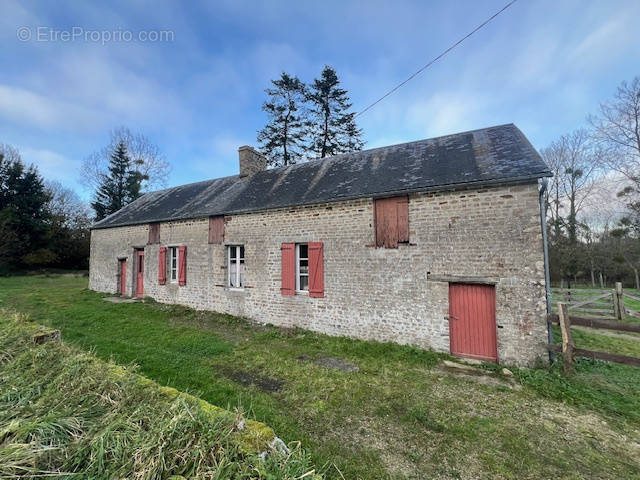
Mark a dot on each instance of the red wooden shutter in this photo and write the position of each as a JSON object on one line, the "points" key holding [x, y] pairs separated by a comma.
{"points": [[402, 204], [216, 229], [182, 265], [316, 270], [386, 223], [288, 251], [391, 221], [154, 233], [162, 265]]}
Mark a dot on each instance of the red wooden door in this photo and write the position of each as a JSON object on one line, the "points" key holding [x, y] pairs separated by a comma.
{"points": [[472, 321], [123, 277], [140, 274]]}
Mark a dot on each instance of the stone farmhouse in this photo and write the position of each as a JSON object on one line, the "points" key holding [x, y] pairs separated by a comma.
{"points": [[435, 243]]}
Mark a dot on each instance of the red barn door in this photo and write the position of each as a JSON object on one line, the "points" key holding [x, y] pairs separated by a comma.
{"points": [[123, 276], [472, 321], [140, 274]]}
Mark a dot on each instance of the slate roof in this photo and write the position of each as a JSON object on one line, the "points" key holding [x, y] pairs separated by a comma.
{"points": [[494, 155]]}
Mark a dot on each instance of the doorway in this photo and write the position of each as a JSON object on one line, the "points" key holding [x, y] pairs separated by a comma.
{"points": [[139, 273], [122, 271], [472, 321]]}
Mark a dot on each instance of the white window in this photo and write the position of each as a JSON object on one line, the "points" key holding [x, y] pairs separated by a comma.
{"points": [[173, 264], [302, 267], [236, 266]]}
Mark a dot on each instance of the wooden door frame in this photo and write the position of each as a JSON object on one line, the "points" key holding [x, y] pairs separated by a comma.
{"points": [[122, 278], [495, 322], [139, 252]]}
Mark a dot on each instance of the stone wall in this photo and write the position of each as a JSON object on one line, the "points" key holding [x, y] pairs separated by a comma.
{"points": [[489, 235]]}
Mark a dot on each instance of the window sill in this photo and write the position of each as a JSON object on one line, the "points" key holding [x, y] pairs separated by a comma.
{"points": [[302, 292], [235, 289]]}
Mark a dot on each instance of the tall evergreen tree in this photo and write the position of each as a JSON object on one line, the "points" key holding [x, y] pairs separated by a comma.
{"points": [[333, 127], [120, 187], [283, 138], [24, 213]]}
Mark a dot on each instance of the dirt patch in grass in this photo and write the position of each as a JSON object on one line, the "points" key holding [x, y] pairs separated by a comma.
{"points": [[330, 362], [122, 300], [388, 440], [477, 375], [250, 379], [589, 427]]}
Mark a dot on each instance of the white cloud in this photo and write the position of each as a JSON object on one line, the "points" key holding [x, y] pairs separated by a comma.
{"points": [[227, 144], [42, 111], [52, 165], [220, 154], [605, 43], [449, 112], [119, 92], [14, 15]]}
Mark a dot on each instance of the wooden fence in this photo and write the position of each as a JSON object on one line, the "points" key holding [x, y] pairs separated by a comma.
{"points": [[568, 349], [627, 310], [605, 304]]}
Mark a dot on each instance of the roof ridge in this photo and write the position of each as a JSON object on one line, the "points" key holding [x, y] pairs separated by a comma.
{"points": [[191, 184], [309, 161], [419, 165], [394, 145]]}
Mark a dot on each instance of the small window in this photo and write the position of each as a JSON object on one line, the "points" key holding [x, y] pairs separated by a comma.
{"points": [[173, 264], [302, 267], [235, 266]]}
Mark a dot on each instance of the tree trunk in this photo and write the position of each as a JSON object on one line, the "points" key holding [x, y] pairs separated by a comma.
{"points": [[635, 272], [593, 278], [285, 140], [601, 281]]}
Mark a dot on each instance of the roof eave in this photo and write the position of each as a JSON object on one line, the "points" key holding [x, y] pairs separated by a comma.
{"points": [[435, 188]]}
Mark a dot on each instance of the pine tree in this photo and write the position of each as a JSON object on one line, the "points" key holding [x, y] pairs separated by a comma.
{"points": [[120, 187], [283, 138], [333, 128], [24, 213]]}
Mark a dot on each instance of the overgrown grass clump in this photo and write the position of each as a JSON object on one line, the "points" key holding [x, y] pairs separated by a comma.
{"points": [[65, 413]]}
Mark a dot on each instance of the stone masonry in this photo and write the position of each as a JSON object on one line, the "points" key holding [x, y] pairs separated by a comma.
{"points": [[489, 235]]}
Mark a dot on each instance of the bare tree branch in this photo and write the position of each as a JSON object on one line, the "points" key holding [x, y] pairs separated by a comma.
{"points": [[144, 154], [617, 130]]}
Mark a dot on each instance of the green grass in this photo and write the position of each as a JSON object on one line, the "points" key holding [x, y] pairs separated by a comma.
{"points": [[400, 416], [621, 343], [65, 413]]}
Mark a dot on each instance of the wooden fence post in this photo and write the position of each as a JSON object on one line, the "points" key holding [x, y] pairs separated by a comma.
{"points": [[620, 311], [567, 338]]}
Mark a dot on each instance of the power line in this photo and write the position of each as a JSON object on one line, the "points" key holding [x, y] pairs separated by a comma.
{"points": [[438, 57]]}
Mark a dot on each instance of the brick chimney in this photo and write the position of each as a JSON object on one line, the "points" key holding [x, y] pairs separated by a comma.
{"points": [[251, 161]]}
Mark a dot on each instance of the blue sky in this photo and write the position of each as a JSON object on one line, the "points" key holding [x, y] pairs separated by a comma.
{"points": [[543, 65]]}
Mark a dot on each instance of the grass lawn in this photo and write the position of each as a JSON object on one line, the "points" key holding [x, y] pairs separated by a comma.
{"points": [[65, 413], [400, 416]]}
